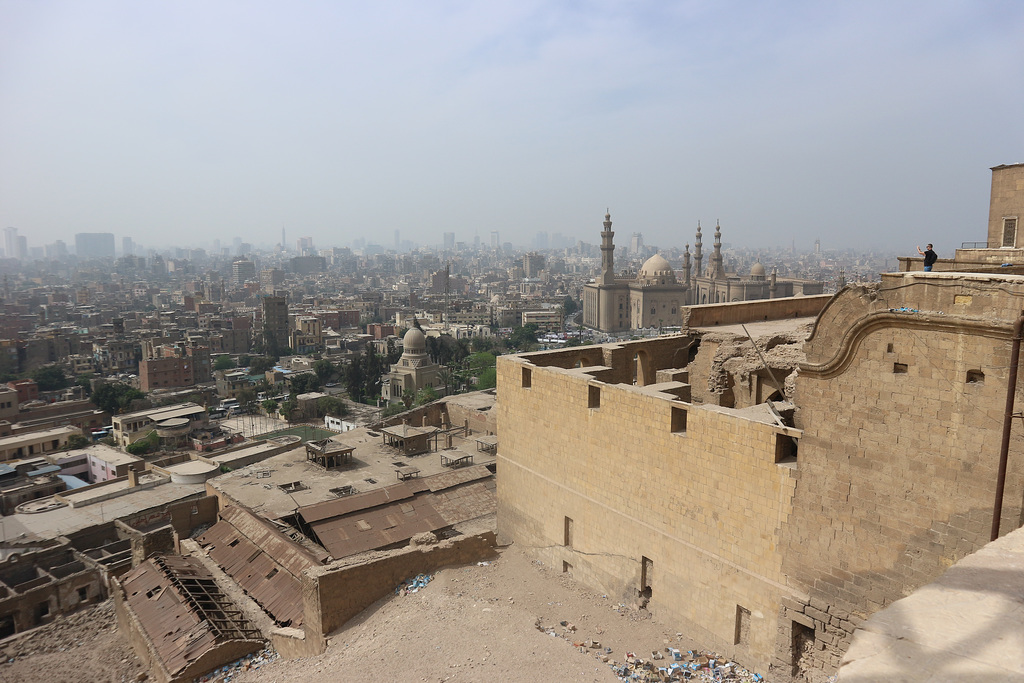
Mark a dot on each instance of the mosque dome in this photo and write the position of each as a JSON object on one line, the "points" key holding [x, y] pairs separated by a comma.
{"points": [[757, 271], [657, 270], [414, 341]]}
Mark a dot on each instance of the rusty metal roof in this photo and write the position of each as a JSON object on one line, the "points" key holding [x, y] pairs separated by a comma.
{"points": [[395, 514], [162, 593], [265, 562]]}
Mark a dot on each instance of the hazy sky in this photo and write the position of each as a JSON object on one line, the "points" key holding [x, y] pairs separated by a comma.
{"points": [[860, 123]]}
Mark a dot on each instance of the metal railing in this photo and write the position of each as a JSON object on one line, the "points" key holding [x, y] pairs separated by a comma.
{"points": [[974, 245]]}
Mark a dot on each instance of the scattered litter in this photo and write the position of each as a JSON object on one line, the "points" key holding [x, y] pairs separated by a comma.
{"points": [[413, 585], [251, 661], [904, 309], [483, 564]]}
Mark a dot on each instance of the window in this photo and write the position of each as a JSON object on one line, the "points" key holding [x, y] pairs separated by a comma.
{"points": [[785, 449], [594, 398], [567, 533], [678, 420], [975, 377], [1010, 231], [899, 368], [527, 378]]}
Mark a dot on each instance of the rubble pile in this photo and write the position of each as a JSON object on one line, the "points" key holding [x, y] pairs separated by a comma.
{"points": [[246, 663], [668, 666]]}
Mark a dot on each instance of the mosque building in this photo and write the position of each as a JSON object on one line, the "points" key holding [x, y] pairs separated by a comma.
{"points": [[656, 296]]}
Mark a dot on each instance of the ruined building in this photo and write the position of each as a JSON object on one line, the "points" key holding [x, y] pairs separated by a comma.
{"points": [[768, 500]]}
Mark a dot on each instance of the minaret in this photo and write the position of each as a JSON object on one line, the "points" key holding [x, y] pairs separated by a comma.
{"points": [[773, 286], [698, 257], [686, 265], [717, 270], [842, 278], [607, 252]]}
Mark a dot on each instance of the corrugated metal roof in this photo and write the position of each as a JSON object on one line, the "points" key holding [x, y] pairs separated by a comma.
{"points": [[178, 632], [397, 513], [265, 562]]}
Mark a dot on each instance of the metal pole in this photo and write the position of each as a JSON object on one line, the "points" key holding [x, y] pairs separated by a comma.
{"points": [[1004, 449]]}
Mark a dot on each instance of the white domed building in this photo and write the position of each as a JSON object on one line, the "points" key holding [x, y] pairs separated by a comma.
{"points": [[414, 370]]}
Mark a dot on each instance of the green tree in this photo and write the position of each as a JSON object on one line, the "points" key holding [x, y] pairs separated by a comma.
{"points": [[304, 383], [76, 441], [524, 338], [270, 406], [116, 397], [8, 365], [487, 379], [426, 395], [569, 307], [288, 409], [50, 378], [260, 364], [331, 405], [223, 363], [246, 399], [324, 370], [85, 381], [408, 398]]}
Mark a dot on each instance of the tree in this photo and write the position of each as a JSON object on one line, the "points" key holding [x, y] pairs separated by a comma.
{"points": [[331, 405], [85, 381], [8, 365], [408, 397], [304, 383], [426, 395], [49, 378], [76, 441], [324, 370], [246, 399], [523, 338], [260, 364], [223, 363], [288, 408], [569, 307], [487, 379], [115, 397], [270, 406]]}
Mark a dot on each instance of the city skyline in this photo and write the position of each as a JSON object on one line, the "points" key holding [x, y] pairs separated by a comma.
{"points": [[868, 126]]}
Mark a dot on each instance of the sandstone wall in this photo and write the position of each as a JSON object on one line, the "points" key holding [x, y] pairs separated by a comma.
{"points": [[608, 483]]}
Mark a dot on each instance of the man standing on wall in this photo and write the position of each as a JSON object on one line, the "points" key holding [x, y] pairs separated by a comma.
{"points": [[930, 257]]}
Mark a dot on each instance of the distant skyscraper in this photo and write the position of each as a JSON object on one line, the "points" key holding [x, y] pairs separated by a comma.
{"points": [[449, 241], [304, 245], [540, 241], [94, 245], [275, 324], [127, 246], [398, 240], [636, 243], [21, 249], [495, 240], [11, 242]]}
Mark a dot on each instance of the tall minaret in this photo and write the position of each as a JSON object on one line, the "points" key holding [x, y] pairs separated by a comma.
{"points": [[773, 286], [607, 252], [686, 265], [717, 269], [698, 257]]}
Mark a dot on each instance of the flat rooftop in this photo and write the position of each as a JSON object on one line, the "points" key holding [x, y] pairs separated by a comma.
{"points": [[763, 328], [66, 519], [373, 466]]}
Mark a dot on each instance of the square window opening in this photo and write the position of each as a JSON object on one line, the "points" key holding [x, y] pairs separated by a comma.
{"points": [[899, 368], [785, 449], [594, 397], [975, 377]]}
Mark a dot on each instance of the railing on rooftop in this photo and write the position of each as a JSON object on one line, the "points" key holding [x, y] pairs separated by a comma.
{"points": [[974, 245]]}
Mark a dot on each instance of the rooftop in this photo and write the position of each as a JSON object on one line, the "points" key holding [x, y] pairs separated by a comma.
{"points": [[373, 466]]}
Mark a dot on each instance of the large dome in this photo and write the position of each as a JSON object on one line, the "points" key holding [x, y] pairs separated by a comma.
{"points": [[757, 271], [657, 270], [414, 341]]}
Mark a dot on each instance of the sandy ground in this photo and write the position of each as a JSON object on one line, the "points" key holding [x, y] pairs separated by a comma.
{"points": [[476, 623]]}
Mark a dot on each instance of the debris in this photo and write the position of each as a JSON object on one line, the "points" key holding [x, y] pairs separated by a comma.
{"points": [[413, 585]]}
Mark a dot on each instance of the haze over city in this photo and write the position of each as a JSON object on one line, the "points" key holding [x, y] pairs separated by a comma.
{"points": [[864, 125]]}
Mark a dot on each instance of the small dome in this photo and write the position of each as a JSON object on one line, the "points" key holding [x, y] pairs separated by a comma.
{"points": [[757, 271], [657, 268], [414, 341]]}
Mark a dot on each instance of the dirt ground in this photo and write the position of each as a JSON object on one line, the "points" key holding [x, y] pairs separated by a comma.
{"points": [[476, 623]]}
